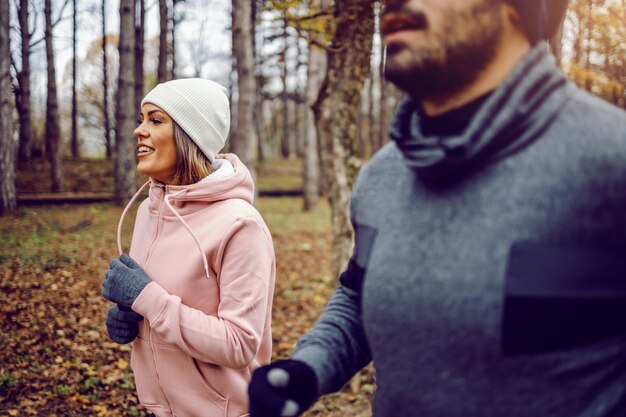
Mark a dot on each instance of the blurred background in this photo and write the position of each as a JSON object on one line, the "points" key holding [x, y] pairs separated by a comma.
{"points": [[309, 107]]}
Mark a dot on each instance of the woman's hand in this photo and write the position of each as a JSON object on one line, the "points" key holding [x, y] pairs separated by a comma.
{"points": [[122, 324], [124, 281]]}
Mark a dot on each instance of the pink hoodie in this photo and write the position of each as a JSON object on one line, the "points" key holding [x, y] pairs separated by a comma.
{"points": [[207, 311]]}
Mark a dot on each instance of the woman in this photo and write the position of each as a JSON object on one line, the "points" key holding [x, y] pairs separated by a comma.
{"points": [[200, 275]]}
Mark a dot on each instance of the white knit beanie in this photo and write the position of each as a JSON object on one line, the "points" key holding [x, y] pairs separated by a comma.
{"points": [[200, 107]]}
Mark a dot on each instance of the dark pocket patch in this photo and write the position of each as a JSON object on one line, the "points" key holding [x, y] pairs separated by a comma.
{"points": [[562, 296]]}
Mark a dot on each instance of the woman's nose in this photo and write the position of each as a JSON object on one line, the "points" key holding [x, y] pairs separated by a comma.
{"points": [[139, 131]]}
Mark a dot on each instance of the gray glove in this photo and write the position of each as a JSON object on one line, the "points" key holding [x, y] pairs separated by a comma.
{"points": [[122, 324], [124, 281]]}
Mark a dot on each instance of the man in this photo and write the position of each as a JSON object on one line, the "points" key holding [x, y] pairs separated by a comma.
{"points": [[475, 217]]}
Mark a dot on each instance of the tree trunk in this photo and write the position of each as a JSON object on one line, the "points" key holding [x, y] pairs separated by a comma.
{"points": [[139, 47], [383, 120], [105, 82], [296, 129], [259, 112], [360, 147], [372, 139], [125, 111], [299, 121], [175, 22], [8, 200], [285, 148], [75, 148], [336, 114], [162, 72], [315, 74], [243, 140], [22, 96], [588, 43], [52, 130], [173, 43]]}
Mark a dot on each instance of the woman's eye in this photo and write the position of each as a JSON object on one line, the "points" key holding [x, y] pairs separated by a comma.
{"points": [[139, 121], [156, 121]]}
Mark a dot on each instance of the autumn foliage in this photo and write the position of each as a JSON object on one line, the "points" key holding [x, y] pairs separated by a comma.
{"points": [[56, 357]]}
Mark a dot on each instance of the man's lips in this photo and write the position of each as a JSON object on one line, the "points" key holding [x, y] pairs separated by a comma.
{"points": [[393, 22]]}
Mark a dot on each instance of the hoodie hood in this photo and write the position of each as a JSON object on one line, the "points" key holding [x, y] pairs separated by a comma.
{"points": [[239, 185], [515, 115], [182, 200]]}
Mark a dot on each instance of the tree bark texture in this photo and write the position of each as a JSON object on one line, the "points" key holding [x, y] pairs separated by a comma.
{"points": [[125, 109], [53, 131], [336, 115], [371, 116], [285, 145], [383, 119], [162, 72], [316, 72], [23, 101], [299, 102], [175, 21], [8, 200], [139, 52], [243, 141], [105, 82], [259, 112], [75, 147]]}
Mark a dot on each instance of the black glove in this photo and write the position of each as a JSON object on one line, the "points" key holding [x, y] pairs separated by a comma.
{"points": [[285, 388], [122, 324], [124, 281]]}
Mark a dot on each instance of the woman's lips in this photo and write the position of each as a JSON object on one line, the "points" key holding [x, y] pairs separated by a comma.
{"points": [[144, 150]]}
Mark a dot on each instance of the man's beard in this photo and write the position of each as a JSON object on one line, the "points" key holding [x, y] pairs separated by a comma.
{"points": [[461, 48]]}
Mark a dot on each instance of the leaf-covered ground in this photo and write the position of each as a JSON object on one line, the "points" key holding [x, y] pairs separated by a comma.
{"points": [[55, 356]]}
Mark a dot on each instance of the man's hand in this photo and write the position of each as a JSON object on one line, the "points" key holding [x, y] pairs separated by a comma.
{"points": [[124, 281], [285, 388], [122, 324]]}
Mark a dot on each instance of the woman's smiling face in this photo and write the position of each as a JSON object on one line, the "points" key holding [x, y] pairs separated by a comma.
{"points": [[156, 149]]}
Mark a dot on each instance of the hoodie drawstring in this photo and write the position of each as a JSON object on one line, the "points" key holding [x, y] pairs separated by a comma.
{"points": [[119, 226], [178, 216], [193, 235]]}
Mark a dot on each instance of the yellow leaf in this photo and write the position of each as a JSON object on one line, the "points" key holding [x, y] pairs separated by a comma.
{"points": [[101, 409], [80, 398], [319, 299], [122, 364]]}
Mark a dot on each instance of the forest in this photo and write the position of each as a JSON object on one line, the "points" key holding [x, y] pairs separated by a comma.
{"points": [[309, 107]]}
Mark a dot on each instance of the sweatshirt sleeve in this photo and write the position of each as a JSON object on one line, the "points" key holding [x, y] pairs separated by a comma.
{"points": [[233, 336], [336, 347]]}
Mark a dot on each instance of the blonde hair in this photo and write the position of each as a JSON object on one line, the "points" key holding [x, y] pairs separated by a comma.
{"points": [[191, 164]]}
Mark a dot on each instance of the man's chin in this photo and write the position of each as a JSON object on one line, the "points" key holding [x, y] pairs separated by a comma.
{"points": [[418, 82], [400, 72]]}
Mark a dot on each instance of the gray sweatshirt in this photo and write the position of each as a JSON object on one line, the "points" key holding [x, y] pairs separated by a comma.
{"points": [[435, 220]]}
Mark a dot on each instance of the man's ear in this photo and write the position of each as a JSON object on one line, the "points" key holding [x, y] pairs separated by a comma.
{"points": [[512, 15], [514, 19]]}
